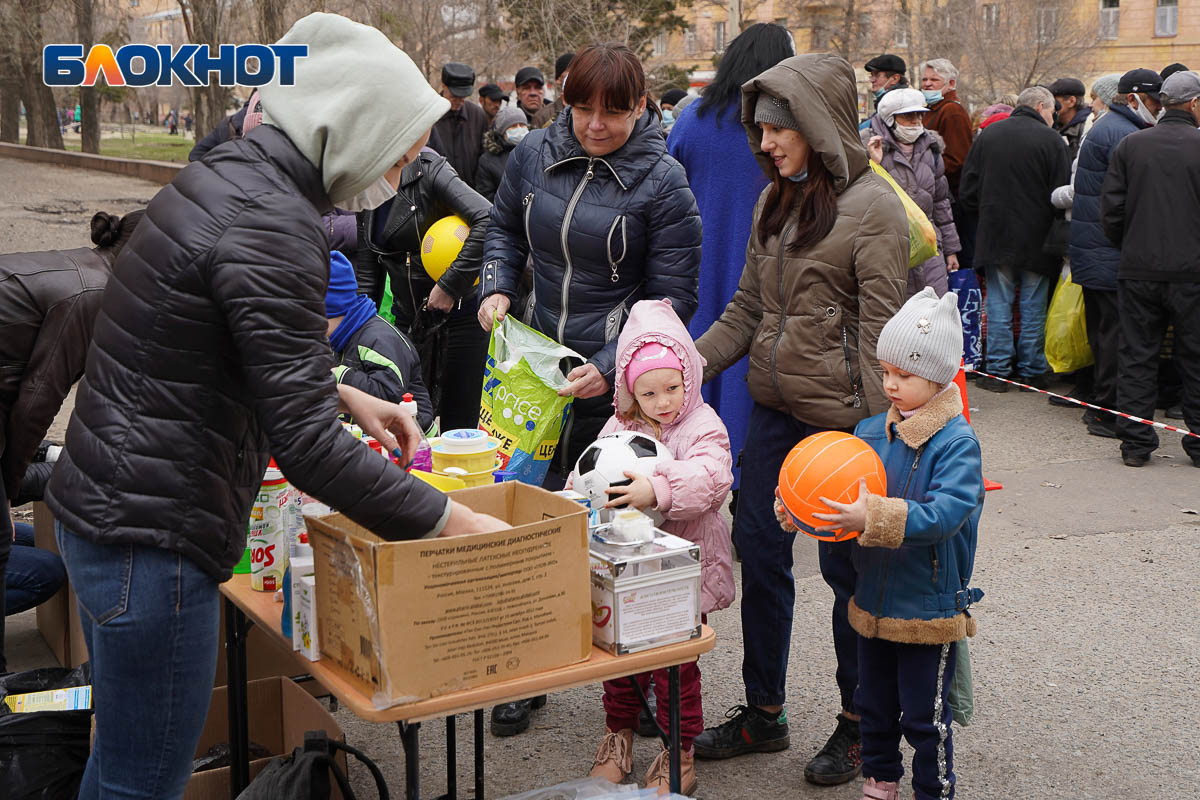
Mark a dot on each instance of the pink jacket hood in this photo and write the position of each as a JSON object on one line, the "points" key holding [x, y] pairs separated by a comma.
{"points": [[656, 321]]}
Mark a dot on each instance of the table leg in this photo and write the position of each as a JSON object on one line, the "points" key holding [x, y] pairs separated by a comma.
{"points": [[410, 735], [479, 754], [673, 690], [451, 760], [236, 627]]}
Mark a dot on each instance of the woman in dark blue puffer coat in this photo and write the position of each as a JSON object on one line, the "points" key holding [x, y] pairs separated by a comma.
{"points": [[608, 218]]}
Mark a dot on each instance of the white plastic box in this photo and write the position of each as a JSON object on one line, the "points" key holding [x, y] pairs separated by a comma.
{"points": [[305, 625], [644, 595]]}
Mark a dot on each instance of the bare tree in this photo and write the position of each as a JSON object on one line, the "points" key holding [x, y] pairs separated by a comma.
{"points": [[89, 102], [549, 27], [22, 25], [204, 21], [272, 18]]}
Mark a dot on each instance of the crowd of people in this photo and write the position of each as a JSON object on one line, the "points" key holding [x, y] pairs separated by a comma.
{"points": [[733, 270]]}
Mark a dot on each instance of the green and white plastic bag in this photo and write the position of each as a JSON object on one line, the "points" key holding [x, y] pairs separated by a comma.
{"points": [[520, 404]]}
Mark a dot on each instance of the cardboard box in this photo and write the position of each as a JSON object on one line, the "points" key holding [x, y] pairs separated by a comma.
{"points": [[58, 617], [416, 619], [280, 713]]}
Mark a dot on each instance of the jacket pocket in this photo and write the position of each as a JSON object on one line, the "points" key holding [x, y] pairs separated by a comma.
{"points": [[616, 318], [617, 242], [838, 345]]}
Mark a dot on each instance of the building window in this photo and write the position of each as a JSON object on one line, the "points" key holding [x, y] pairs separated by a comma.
{"points": [[718, 37], [1047, 25], [1166, 18], [1110, 19], [689, 41], [991, 19], [660, 45], [134, 3], [901, 31], [864, 30]]}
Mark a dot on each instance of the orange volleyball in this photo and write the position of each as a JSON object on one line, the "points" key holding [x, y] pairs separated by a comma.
{"points": [[828, 464]]}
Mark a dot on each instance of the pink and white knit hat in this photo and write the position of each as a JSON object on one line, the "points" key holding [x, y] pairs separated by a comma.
{"points": [[652, 355]]}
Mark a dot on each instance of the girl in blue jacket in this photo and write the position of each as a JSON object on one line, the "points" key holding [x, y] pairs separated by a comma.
{"points": [[916, 551]]}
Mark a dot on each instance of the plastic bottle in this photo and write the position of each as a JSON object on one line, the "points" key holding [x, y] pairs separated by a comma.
{"points": [[303, 555], [423, 458]]}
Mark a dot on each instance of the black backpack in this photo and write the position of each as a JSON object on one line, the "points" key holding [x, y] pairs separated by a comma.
{"points": [[304, 775]]}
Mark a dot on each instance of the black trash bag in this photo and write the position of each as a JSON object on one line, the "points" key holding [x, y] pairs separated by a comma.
{"points": [[43, 754]]}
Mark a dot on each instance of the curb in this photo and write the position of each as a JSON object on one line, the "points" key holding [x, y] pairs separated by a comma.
{"points": [[161, 172]]}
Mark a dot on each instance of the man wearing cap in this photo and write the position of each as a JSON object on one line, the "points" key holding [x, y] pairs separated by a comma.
{"points": [[886, 72], [531, 91], [1072, 114], [1148, 205], [491, 98], [939, 84], [1171, 69], [460, 131], [1010, 173], [548, 113], [1094, 259], [1140, 87]]}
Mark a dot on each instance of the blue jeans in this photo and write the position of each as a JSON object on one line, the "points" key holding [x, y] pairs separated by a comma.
{"points": [[149, 618], [898, 696], [34, 576], [768, 588], [1003, 287]]}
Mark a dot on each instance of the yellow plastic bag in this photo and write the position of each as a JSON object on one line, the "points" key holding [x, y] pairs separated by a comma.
{"points": [[1067, 346], [922, 237]]}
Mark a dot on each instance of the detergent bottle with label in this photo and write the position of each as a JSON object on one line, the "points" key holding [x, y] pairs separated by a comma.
{"points": [[423, 458]]}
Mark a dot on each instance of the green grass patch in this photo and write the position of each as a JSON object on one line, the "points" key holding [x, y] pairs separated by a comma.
{"points": [[149, 146]]}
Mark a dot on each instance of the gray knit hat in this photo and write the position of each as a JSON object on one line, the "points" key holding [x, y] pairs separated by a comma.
{"points": [[509, 115], [925, 337], [1105, 87], [774, 111]]}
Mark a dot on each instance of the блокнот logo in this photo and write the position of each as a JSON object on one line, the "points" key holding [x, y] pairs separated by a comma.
{"points": [[150, 65]]}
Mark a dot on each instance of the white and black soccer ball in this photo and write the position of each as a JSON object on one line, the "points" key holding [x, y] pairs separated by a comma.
{"points": [[605, 461]]}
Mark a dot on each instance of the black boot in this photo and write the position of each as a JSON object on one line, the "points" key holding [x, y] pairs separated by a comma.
{"points": [[840, 760], [510, 719]]}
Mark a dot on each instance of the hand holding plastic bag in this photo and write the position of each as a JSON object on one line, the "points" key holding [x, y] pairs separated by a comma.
{"points": [[922, 238]]}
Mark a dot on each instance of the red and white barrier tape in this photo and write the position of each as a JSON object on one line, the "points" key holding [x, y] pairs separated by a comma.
{"points": [[1164, 426]]}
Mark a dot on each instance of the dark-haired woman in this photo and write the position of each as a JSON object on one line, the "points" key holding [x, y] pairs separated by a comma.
{"points": [[48, 303], [825, 269], [608, 218], [710, 142]]}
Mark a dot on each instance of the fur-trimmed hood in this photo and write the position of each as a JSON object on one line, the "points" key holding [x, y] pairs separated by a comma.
{"points": [[929, 419], [495, 143]]}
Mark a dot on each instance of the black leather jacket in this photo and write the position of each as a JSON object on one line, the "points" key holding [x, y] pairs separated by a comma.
{"points": [[210, 351], [429, 190]]}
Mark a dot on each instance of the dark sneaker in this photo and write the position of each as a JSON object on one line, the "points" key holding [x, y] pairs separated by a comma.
{"points": [[1108, 430], [510, 719], [1174, 412], [840, 760], [992, 384], [1059, 401], [749, 730], [1036, 381], [1135, 459]]}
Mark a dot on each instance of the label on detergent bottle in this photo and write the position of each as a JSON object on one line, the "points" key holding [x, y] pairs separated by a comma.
{"points": [[270, 532]]}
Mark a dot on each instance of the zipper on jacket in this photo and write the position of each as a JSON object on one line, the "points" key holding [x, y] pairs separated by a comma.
{"points": [[782, 313], [566, 226], [613, 263], [849, 372], [528, 203], [933, 557], [888, 561]]}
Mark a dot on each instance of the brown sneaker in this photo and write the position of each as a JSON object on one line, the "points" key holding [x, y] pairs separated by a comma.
{"points": [[659, 774], [614, 759]]}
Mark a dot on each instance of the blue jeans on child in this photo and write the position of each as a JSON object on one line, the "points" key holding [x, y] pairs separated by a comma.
{"points": [[768, 588], [150, 621], [898, 693], [34, 576], [1032, 290]]}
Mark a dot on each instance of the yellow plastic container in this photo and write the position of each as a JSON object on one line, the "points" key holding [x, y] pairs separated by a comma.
{"points": [[446, 483], [481, 478], [470, 450]]}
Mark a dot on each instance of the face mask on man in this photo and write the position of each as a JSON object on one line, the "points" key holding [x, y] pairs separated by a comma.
{"points": [[369, 198], [1145, 114], [515, 134], [908, 133], [880, 92], [932, 95], [668, 117]]}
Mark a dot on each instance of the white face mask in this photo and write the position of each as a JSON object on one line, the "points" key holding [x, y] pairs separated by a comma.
{"points": [[515, 134], [369, 198], [908, 133], [1145, 114]]}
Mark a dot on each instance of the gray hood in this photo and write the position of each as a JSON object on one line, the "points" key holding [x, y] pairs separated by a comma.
{"points": [[358, 105], [822, 92]]}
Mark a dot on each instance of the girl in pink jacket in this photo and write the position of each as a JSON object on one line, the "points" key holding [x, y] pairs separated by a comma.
{"points": [[657, 392]]}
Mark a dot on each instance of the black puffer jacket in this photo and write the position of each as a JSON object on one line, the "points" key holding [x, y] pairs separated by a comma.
{"points": [[381, 361], [492, 162], [208, 352], [603, 232], [48, 305], [429, 190]]}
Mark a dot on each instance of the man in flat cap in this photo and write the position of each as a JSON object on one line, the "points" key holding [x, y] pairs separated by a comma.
{"points": [[1149, 205], [886, 72], [1072, 114], [460, 131], [491, 97]]}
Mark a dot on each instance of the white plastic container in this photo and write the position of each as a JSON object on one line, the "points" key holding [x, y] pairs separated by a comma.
{"points": [[305, 623], [644, 595], [270, 532]]}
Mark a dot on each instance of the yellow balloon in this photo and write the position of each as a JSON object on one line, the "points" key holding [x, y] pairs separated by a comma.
{"points": [[442, 244]]}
